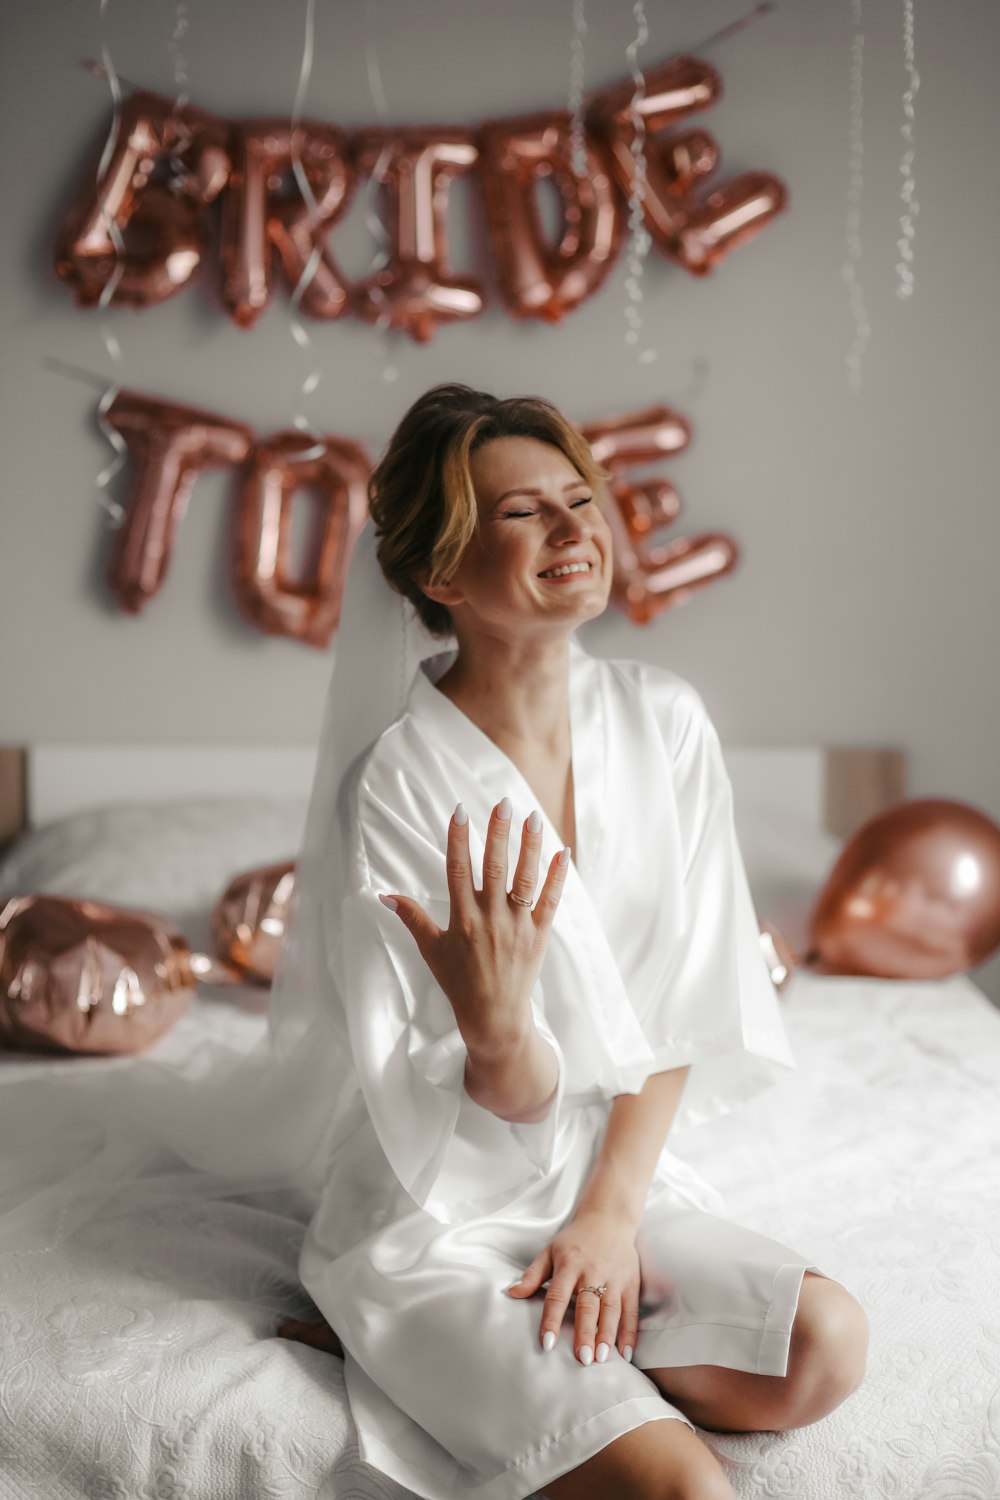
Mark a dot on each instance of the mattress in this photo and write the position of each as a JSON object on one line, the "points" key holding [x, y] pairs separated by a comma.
{"points": [[142, 1358]]}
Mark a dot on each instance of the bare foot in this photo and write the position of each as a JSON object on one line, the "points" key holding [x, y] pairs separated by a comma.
{"points": [[316, 1335]]}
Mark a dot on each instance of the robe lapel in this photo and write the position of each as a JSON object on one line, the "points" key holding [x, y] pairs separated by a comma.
{"points": [[486, 773]]}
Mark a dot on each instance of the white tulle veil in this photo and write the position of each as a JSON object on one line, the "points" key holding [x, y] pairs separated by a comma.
{"points": [[79, 1144]]}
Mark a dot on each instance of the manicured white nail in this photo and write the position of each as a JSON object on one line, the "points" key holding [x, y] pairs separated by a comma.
{"points": [[586, 1354], [602, 1353], [461, 816], [534, 821], [563, 855], [549, 1340], [388, 901], [503, 811], [627, 1353]]}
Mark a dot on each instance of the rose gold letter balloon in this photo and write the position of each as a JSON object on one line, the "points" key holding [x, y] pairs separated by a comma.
{"points": [[169, 445], [266, 593], [915, 894], [540, 280], [694, 233], [84, 977], [166, 165], [417, 289], [264, 211], [645, 579]]}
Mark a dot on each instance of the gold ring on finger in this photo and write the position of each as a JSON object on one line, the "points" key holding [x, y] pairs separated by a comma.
{"points": [[601, 1290], [521, 900]]}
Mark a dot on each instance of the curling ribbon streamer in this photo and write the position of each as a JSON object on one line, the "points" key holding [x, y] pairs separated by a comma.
{"points": [[295, 323], [905, 284], [373, 222], [116, 512], [639, 236], [850, 269], [576, 79]]}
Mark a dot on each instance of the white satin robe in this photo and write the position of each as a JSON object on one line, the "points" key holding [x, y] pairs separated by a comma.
{"points": [[433, 1204]]}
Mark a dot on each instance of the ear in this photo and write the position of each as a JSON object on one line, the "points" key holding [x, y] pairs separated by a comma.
{"points": [[441, 593]]}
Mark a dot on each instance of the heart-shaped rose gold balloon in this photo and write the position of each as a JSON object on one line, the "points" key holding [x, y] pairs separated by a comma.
{"points": [[250, 919], [915, 894], [84, 977]]}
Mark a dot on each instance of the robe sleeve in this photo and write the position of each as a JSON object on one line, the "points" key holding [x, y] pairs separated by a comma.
{"points": [[450, 1154], [713, 1004]]}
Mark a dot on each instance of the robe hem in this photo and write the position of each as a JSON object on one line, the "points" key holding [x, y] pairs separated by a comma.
{"points": [[534, 1469], [756, 1350]]}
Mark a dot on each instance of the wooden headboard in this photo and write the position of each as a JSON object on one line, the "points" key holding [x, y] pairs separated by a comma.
{"points": [[835, 789]]}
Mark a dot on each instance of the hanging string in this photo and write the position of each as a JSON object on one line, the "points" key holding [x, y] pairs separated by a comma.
{"points": [[295, 324], [116, 512], [908, 191], [177, 55], [734, 26], [639, 236], [850, 269], [576, 78], [388, 372]]}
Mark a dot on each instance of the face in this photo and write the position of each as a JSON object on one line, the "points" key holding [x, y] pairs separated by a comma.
{"points": [[536, 513]]}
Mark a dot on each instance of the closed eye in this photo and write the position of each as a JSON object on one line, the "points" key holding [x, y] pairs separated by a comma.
{"points": [[508, 514]]}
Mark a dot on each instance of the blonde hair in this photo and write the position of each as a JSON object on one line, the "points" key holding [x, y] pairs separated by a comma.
{"points": [[421, 495]]}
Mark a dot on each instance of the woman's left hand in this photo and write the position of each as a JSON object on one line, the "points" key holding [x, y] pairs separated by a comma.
{"points": [[592, 1249]]}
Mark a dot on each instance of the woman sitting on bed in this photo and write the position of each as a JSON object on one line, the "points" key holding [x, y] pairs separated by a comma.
{"points": [[545, 957]]}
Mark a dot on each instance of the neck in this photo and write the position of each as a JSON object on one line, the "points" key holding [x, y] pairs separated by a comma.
{"points": [[517, 692]]}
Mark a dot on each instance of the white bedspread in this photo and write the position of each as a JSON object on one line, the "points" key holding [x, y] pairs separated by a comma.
{"points": [[141, 1362]]}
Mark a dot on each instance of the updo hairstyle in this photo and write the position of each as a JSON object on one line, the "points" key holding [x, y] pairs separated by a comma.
{"points": [[421, 495]]}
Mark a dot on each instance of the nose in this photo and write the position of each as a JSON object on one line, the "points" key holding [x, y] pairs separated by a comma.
{"points": [[570, 525]]}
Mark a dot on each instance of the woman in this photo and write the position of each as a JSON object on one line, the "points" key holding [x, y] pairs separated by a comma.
{"points": [[537, 923]]}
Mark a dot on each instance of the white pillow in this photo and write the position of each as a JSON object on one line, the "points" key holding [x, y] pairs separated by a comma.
{"points": [[175, 858]]}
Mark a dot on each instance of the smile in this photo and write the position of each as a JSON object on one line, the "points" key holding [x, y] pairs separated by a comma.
{"points": [[565, 570]]}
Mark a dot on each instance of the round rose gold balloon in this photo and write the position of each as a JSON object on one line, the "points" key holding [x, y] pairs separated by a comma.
{"points": [[84, 977], [915, 894], [250, 919]]}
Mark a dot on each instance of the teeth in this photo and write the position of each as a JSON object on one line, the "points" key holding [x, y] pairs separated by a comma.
{"points": [[567, 568]]}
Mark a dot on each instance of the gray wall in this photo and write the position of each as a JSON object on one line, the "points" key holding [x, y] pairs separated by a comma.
{"points": [[865, 608]]}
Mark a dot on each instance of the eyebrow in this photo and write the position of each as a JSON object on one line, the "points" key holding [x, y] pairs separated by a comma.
{"points": [[574, 484]]}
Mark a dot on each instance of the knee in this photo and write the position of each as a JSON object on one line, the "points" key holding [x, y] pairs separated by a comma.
{"points": [[709, 1484], [829, 1349]]}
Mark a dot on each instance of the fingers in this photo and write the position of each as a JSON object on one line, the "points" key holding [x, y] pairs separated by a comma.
{"points": [[495, 853], [526, 874], [603, 1323], [458, 864], [628, 1329], [539, 1270], [555, 880], [412, 915]]}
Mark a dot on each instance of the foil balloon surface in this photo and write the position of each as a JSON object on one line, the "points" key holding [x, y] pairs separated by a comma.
{"points": [[915, 894], [86, 977], [250, 919]]}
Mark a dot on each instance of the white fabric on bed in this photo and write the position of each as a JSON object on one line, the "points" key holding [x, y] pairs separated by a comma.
{"points": [[141, 1360]]}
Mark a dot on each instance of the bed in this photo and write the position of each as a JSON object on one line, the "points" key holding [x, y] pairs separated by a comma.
{"points": [[142, 1359]]}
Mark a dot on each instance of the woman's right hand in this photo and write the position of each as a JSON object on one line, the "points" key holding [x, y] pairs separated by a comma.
{"points": [[488, 958]]}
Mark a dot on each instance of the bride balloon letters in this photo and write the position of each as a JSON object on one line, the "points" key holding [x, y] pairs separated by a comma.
{"points": [[169, 164]]}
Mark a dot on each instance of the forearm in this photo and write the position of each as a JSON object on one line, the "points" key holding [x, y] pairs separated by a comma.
{"points": [[517, 1082], [638, 1125]]}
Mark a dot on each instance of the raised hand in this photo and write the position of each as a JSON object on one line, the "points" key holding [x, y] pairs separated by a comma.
{"points": [[488, 958]]}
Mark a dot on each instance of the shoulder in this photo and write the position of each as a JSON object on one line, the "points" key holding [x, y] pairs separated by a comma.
{"points": [[392, 807], [675, 703]]}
